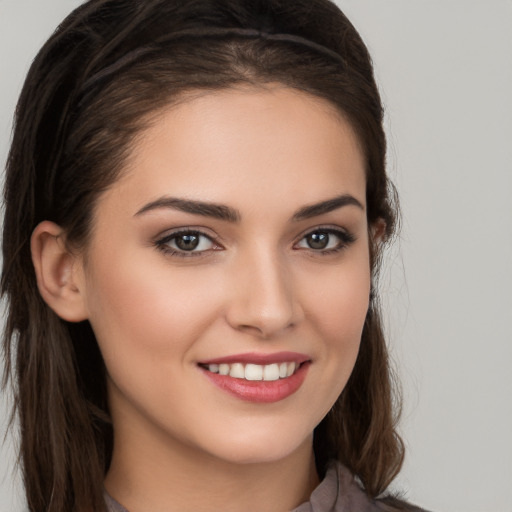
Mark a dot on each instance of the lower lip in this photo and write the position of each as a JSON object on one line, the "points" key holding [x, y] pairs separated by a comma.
{"points": [[259, 390]]}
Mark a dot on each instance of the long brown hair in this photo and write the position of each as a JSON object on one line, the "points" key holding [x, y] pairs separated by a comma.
{"points": [[91, 89]]}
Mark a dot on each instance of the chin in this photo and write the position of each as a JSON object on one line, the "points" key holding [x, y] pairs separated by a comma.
{"points": [[262, 446]]}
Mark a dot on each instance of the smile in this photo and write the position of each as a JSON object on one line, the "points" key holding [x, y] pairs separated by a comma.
{"points": [[255, 372], [258, 377]]}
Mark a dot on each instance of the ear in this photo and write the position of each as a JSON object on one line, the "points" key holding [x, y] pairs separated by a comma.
{"points": [[378, 231], [59, 272]]}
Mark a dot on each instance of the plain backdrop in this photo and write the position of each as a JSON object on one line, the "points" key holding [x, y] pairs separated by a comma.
{"points": [[445, 72]]}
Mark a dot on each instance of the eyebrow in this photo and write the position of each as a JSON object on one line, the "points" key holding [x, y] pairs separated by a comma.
{"points": [[226, 213], [217, 211], [327, 206]]}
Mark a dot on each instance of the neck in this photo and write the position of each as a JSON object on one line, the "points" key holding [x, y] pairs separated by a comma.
{"points": [[150, 472]]}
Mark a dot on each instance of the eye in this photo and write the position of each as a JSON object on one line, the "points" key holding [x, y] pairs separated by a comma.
{"points": [[326, 240], [186, 243]]}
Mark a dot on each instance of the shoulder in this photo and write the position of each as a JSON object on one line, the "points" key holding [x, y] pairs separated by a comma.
{"points": [[112, 504], [340, 491], [394, 504]]}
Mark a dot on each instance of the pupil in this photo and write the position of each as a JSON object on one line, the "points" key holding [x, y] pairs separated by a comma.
{"points": [[318, 240], [187, 242]]}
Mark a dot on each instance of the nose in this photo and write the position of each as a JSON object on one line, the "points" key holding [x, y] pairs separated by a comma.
{"points": [[263, 299]]}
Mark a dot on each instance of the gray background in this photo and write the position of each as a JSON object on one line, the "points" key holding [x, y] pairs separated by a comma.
{"points": [[445, 70]]}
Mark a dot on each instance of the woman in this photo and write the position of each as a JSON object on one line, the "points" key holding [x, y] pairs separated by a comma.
{"points": [[196, 205]]}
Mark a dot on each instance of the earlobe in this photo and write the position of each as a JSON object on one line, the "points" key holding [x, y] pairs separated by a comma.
{"points": [[58, 272]]}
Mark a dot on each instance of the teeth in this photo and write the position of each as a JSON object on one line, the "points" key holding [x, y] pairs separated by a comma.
{"points": [[268, 372], [237, 371], [291, 369], [271, 372], [253, 372]]}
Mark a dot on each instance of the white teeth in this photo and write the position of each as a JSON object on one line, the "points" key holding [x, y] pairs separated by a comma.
{"points": [[268, 372], [253, 372], [271, 372], [237, 371]]}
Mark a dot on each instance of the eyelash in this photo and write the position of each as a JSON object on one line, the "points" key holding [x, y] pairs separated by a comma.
{"points": [[346, 239], [162, 243]]}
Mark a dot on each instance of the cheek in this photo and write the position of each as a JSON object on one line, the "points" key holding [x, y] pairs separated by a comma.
{"points": [[342, 324], [345, 307], [146, 311], [147, 320], [339, 297], [337, 312]]}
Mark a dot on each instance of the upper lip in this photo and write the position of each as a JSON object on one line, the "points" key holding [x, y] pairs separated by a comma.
{"points": [[259, 358]]}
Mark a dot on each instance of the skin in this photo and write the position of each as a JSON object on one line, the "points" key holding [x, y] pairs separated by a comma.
{"points": [[181, 443]]}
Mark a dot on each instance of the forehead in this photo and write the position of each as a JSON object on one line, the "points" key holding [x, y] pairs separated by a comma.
{"points": [[272, 144]]}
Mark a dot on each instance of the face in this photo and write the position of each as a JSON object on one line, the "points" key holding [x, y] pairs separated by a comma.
{"points": [[227, 277]]}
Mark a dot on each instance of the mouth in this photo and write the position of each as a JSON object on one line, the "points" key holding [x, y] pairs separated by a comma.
{"points": [[256, 377], [254, 372]]}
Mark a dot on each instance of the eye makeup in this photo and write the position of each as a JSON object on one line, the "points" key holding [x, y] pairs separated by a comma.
{"points": [[186, 243], [190, 242], [325, 240]]}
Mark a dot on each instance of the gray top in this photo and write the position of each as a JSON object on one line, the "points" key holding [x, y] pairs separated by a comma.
{"points": [[338, 492]]}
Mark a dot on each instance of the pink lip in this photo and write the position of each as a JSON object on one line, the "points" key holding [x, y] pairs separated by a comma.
{"points": [[259, 391], [257, 358]]}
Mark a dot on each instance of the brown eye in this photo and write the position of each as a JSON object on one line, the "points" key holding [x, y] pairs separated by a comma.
{"points": [[187, 242], [326, 240], [319, 240]]}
